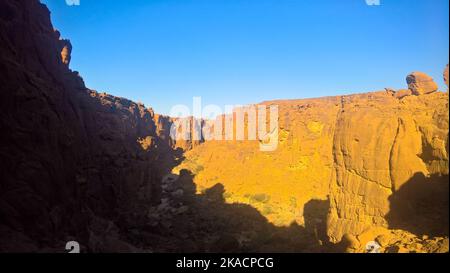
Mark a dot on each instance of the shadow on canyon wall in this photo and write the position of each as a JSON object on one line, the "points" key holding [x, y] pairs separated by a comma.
{"points": [[206, 223], [421, 206], [209, 224]]}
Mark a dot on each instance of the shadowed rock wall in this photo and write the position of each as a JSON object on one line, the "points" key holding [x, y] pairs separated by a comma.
{"points": [[68, 155]]}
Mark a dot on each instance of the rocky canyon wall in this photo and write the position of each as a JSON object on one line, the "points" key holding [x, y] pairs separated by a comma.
{"points": [[381, 146], [72, 160], [368, 161]]}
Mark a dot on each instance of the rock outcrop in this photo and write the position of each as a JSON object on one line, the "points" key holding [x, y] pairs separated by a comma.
{"points": [[420, 83], [400, 94], [191, 139], [374, 159], [66, 53], [380, 146], [446, 75]]}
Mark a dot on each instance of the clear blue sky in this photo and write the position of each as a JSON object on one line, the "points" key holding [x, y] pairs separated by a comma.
{"points": [[164, 52]]}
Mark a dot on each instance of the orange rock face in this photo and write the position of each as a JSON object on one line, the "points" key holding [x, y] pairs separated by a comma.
{"points": [[66, 52], [355, 155], [420, 83]]}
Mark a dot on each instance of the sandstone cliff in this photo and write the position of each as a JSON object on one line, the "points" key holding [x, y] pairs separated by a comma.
{"points": [[369, 161]]}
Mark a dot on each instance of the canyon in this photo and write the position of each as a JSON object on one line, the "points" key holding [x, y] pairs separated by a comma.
{"points": [[79, 165]]}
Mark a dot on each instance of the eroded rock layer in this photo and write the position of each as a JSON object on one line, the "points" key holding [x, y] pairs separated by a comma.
{"points": [[382, 146], [343, 165]]}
